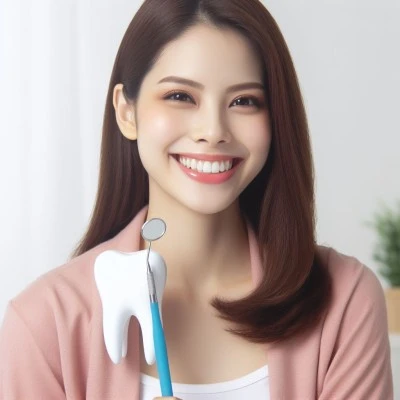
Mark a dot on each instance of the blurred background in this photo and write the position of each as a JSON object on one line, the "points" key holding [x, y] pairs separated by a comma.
{"points": [[56, 58]]}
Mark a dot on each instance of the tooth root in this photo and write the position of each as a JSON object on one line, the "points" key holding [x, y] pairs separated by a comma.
{"points": [[146, 326], [125, 339], [199, 166], [114, 327]]}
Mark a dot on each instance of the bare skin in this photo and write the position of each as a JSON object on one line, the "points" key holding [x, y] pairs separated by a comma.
{"points": [[200, 350]]}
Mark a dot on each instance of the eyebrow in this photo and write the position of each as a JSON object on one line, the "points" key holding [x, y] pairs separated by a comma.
{"points": [[197, 85]]}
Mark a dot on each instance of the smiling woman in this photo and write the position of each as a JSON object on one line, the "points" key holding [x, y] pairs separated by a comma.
{"points": [[205, 128]]}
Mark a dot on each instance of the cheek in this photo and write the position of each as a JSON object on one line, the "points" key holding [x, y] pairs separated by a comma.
{"points": [[256, 136], [157, 126]]}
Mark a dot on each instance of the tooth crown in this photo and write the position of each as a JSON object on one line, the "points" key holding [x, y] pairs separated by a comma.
{"points": [[121, 280], [213, 167]]}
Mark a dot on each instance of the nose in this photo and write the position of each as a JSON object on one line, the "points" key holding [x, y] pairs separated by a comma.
{"points": [[211, 128]]}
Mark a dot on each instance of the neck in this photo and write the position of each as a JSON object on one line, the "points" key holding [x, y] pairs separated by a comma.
{"points": [[202, 250]]}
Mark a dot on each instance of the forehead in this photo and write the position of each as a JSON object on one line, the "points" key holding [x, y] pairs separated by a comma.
{"points": [[208, 53]]}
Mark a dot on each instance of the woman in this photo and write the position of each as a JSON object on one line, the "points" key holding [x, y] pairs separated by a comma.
{"points": [[205, 127]]}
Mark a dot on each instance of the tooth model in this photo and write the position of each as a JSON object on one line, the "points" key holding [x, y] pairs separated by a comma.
{"points": [[122, 282]]}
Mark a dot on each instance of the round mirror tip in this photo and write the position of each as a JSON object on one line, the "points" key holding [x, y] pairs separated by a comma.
{"points": [[153, 229]]}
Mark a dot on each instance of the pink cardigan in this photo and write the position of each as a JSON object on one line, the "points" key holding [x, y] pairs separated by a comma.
{"points": [[52, 347]]}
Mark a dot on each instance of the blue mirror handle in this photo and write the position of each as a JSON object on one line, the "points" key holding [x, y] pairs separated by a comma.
{"points": [[161, 352]]}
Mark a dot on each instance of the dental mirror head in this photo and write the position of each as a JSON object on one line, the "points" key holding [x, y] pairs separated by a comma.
{"points": [[153, 229]]}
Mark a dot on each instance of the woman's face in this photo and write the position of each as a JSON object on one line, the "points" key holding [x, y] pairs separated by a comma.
{"points": [[202, 109]]}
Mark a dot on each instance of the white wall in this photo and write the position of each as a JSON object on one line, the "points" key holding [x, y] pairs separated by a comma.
{"points": [[347, 58], [55, 63], [348, 61]]}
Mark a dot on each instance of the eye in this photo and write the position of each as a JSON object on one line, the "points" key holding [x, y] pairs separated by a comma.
{"points": [[179, 96], [246, 101]]}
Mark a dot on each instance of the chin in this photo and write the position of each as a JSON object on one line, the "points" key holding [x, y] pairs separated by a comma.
{"points": [[208, 206], [201, 200]]}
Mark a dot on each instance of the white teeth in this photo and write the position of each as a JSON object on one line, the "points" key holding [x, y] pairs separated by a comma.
{"points": [[215, 167], [207, 167]]}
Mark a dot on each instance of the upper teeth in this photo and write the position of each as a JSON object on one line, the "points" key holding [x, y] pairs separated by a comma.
{"points": [[213, 167]]}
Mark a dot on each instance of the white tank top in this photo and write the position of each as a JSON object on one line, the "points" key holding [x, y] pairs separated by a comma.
{"points": [[254, 386]]}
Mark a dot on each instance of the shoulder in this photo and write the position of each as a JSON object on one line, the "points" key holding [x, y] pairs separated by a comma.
{"points": [[57, 309], [68, 293], [357, 301], [61, 296], [353, 342], [350, 278]]}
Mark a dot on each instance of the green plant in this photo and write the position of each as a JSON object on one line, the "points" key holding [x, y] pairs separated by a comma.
{"points": [[386, 223]]}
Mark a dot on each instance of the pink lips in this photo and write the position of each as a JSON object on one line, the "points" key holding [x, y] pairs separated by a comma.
{"points": [[209, 177]]}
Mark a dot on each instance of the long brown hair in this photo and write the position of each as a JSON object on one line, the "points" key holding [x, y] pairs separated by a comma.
{"points": [[295, 289]]}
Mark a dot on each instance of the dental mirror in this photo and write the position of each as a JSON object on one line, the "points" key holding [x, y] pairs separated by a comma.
{"points": [[153, 229]]}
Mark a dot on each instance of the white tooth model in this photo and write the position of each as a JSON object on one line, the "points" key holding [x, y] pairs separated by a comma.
{"points": [[122, 282]]}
